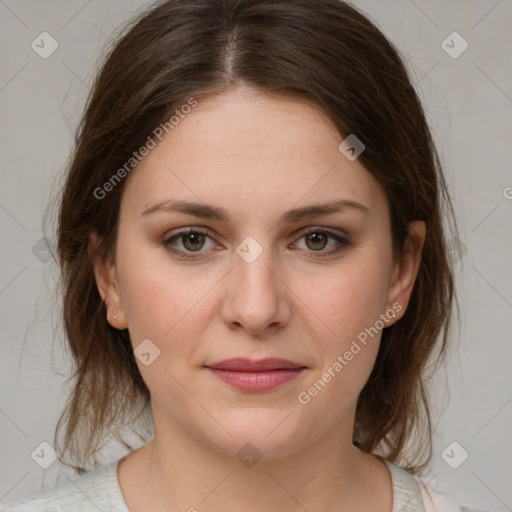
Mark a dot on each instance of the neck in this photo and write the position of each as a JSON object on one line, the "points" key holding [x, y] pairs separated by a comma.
{"points": [[180, 472]]}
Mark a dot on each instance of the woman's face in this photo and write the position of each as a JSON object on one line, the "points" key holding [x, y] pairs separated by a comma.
{"points": [[267, 271]]}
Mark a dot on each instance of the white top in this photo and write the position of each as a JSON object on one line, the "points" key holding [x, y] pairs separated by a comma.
{"points": [[99, 490]]}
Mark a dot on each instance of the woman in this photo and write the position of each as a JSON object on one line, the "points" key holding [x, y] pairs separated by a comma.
{"points": [[253, 260]]}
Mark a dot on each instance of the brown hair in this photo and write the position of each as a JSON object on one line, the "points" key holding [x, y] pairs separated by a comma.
{"points": [[327, 52]]}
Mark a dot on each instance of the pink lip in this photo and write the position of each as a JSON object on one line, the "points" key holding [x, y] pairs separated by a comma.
{"points": [[250, 375]]}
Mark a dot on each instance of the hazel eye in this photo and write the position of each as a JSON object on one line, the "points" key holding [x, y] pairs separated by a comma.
{"points": [[193, 241], [190, 240], [317, 240]]}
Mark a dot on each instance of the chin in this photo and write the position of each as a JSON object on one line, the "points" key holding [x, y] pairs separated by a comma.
{"points": [[264, 434]]}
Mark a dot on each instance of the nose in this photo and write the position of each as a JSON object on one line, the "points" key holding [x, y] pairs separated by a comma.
{"points": [[256, 299]]}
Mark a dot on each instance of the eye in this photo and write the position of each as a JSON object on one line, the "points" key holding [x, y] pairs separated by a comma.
{"points": [[317, 239], [191, 240], [188, 241]]}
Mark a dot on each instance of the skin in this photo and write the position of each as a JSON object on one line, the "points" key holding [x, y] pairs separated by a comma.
{"points": [[256, 156]]}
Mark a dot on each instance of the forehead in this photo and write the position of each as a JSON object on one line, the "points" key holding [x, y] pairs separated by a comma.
{"points": [[246, 150]]}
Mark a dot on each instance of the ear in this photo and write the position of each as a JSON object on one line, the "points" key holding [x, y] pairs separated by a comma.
{"points": [[406, 268], [107, 283]]}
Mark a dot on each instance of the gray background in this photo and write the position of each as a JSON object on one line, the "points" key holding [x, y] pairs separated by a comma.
{"points": [[469, 105]]}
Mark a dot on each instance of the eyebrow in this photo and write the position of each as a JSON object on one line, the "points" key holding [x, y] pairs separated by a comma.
{"points": [[296, 214]]}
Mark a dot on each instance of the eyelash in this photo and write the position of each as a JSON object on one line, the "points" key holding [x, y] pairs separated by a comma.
{"points": [[190, 255]]}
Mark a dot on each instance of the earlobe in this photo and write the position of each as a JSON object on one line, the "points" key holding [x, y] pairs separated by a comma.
{"points": [[406, 269]]}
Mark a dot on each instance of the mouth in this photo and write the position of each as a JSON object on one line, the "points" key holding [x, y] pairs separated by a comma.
{"points": [[256, 375]]}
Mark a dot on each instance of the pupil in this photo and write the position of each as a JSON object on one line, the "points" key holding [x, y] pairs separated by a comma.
{"points": [[194, 238], [317, 238]]}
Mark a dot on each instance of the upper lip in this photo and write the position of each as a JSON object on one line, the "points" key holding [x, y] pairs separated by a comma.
{"points": [[252, 365]]}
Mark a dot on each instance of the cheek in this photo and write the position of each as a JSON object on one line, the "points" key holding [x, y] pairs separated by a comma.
{"points": [[157, 293], [168, 305], [346, 300], [346, 306]]}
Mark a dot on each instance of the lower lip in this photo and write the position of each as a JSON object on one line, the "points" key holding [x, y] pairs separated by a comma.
{"points": [[256, 381]]}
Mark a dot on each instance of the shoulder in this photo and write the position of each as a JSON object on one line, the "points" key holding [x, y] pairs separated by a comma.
{"points": [[412, 493], [436, 501], [92, 491]]}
